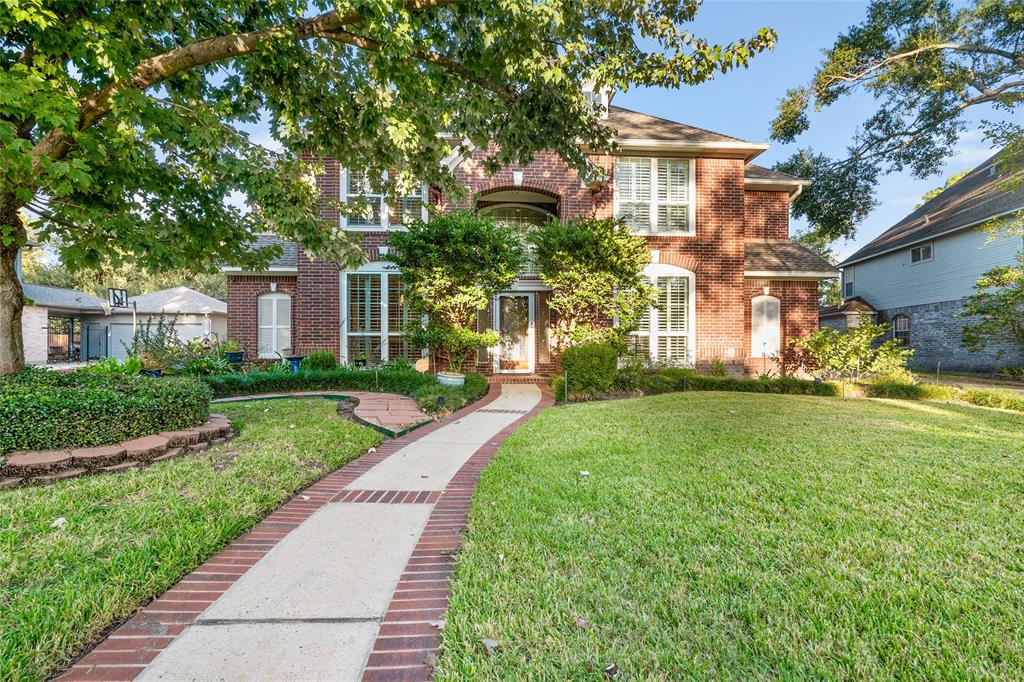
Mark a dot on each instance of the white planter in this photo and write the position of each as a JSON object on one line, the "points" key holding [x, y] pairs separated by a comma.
{"points": [[451, 379]]}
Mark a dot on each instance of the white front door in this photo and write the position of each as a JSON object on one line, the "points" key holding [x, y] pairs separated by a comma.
{"points": [[514, 320]]}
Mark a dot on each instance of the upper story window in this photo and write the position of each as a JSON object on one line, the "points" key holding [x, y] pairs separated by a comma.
{"points": [[921, 254], [655, 196], [848, 283], [378, 213]]}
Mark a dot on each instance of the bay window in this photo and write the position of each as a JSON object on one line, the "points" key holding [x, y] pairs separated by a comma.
{"points": [[655, 196]]}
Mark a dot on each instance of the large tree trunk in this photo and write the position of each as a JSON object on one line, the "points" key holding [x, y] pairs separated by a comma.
{"points": [[12, 298]]}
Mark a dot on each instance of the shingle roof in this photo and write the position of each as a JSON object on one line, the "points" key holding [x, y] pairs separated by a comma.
{"points": [[785, 256], [290, 256], [635, 125], [972, 200], [850, 305], [754, 172], [57, 297], [178, 300]]}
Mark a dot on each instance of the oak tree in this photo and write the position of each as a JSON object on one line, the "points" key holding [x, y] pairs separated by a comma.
{"points": [[122, 124]]}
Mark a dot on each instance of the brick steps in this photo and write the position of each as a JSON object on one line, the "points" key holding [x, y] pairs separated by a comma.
{"points": [[50, 466]]}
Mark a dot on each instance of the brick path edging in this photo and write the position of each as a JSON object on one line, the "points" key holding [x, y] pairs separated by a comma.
{"points": [[124, 653], [409, 639]]}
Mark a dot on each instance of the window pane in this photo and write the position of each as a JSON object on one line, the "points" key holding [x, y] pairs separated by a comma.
{"points": [[398, 304], [483, 323], [363, 303], [408, 210], [673, 348], [364, 348], [398, 347], [673, 180], [673, 218], [674, 297], [639, 346], [633, 189], [366, 216], [637, 216]]}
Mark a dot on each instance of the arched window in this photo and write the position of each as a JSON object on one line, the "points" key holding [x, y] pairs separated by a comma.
{"points": [[518, 214], [765, 327], [275, 324], [666, 332], [901, 329]]}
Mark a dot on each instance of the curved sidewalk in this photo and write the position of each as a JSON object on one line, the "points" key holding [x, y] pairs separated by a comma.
{"points": [[347, 581]]}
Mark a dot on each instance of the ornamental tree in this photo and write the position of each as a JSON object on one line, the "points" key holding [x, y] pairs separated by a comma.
{"points": [[927, 63], [122, 123], [452, 266], [996, 309], [595, 271]]}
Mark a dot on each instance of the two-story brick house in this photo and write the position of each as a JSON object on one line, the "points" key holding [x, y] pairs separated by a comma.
{"points": [[733, 286]]}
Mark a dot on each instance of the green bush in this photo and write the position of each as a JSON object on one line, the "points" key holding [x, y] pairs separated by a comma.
{"points": [[41, 409], [591, 367], [455, 398], [992, 398], [323, 360], [278, 380]]}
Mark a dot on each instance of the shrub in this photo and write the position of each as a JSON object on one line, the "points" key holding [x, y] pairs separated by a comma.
{"points": [[130, 367], [855, 352], [991, 398], [277, 379], [590, 367], [320, 360], [42, 409], [718, 368], [455, 398]]}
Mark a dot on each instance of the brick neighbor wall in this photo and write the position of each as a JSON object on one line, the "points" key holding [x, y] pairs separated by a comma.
{"points": [[767, 215], [243, 309]]}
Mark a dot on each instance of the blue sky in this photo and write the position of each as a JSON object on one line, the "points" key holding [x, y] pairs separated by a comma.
{"points": [[742, 103]]}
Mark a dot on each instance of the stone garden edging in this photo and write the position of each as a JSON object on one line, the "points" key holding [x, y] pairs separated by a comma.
{"points": [[49, 466]]}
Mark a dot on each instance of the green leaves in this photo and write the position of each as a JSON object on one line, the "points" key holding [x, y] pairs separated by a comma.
{"points": [[996, 310]]}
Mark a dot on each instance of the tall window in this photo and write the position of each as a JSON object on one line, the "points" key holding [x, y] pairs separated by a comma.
{"points": [[901, 329], [523, 215], [848, 283], [666, 331], [765, 327], [655, 195], [376, 312], [377, 213], [275, 324]]}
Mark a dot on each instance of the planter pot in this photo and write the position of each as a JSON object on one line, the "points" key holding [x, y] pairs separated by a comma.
{"points": [[451, 379], [295, 360], [234, 357], [152, 372]]}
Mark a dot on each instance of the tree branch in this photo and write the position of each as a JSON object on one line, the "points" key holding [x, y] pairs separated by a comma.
{"points": [[856, 76], [154, 70]]}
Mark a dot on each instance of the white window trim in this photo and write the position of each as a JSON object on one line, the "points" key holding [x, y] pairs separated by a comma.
{"points": [[274, 324], [931, 253], [385, 209], [665, 270], [756, 352], [384, 269], [691, 205]]}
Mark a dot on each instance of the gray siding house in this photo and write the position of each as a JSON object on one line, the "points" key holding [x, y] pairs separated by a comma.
{"points": [[916, 274]]}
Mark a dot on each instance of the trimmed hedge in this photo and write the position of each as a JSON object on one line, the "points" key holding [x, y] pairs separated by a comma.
{"points": [[406, 382], [590, 367], [638, 381], [43, 409]]}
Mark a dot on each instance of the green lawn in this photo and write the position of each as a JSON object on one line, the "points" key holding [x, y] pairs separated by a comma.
{"points": [[128, 537], [746, 537]]}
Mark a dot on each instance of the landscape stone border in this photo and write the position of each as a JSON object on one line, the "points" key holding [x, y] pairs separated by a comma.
{"points": [[49, 466]]}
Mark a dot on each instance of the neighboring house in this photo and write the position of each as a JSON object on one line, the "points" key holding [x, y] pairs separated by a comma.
{"points": [[847, 314], [64, 325], [195, 315], [916, 274], [733, 286]]}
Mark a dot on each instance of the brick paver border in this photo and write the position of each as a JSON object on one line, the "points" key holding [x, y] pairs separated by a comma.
{"points": [[409, 638], [124, 653]]}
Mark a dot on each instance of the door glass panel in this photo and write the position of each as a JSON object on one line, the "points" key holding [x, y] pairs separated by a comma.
{"points": [[514, 314]]}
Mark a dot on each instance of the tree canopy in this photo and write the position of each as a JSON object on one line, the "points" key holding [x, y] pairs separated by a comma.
{"points": [[122, 124], [927, 63]]}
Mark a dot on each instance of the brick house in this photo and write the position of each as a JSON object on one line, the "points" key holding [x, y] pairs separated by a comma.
{"points": [[733, 286]]}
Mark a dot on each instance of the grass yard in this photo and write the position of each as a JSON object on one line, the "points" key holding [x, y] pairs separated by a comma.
{"points": [[746, 536], [128, 537]]}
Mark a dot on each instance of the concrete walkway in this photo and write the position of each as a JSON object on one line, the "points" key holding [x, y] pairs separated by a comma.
{"points": [[310, 593]]}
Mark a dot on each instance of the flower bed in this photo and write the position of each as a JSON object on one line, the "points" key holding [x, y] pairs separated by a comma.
{"points": [[47, 410]]}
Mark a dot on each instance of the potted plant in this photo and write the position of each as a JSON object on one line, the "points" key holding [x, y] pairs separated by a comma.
{"points": [[454, 344], [152, 363], [233, 350]]}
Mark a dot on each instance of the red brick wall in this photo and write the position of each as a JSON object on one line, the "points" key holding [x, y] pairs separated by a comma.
{"points": [[715, 256], [767, 215], [243, 292], [798, 308]]}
